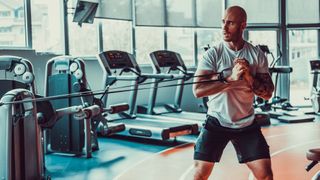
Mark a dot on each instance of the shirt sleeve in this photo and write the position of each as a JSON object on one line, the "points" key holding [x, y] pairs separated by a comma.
{"points": [[262, 63], [207, 61]]}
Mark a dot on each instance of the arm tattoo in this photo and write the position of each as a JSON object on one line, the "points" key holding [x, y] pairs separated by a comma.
{"points": [[263, 85]]}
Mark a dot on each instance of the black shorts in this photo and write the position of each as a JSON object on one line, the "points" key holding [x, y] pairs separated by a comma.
{"points": [[248, 142]]}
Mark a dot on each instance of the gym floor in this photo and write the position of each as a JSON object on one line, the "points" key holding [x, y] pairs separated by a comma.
{"points": [[122, 158]]}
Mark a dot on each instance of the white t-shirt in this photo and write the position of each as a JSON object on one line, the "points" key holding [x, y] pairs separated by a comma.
{"points": [[233, 107]]}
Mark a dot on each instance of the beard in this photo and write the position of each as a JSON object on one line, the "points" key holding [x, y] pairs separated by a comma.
{"points": [[232, 37]]}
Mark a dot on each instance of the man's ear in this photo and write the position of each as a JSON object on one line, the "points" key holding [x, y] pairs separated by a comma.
{"points": [[243, 25]]}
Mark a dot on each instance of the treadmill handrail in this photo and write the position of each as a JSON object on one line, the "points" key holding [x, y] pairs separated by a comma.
{"points": [[124, 78], [158, 76]]}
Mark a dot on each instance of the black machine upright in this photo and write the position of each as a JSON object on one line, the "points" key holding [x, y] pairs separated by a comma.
{"points": [[315, 91], [128, 70], [66, 75]]}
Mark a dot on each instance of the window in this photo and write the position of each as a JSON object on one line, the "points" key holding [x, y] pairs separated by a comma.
{"points": [[180, 13], [115, 9], [301, 11], [209, 13], [268, 38], [150, 12], [180, 40], [11, 25], [302, 43], [207, 37], [148, 39], [47, 26], [83, 40], [117, 35], [259, 11]]}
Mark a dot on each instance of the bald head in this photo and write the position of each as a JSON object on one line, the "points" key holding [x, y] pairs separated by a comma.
{"points": [[238, 12]]}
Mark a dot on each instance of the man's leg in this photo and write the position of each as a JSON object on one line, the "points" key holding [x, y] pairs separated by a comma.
{"points": [[202, 169], [261, 169], [208, 148]]}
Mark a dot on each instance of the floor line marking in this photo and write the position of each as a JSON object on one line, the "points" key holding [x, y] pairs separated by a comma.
{"points": [[147, 158]]}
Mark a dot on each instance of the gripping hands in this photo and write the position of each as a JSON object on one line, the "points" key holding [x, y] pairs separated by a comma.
{"points": [[241, 71]]}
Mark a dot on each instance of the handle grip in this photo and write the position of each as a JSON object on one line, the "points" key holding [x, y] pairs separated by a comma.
{"points": [[117, 108]]}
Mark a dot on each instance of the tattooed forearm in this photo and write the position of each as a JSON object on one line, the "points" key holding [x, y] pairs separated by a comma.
{"points": [[263, 85]]}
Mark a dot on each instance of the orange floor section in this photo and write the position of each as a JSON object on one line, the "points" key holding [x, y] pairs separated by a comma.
{"points": [[288, 145]]}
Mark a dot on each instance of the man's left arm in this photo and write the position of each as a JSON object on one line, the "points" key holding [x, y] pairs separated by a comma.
{"points": [[262, 85]]}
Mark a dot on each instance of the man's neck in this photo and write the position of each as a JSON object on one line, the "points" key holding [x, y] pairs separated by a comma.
{"points": [[236, 46]]}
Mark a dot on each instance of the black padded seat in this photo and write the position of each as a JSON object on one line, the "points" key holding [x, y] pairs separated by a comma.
{"points": [[313, 154]]}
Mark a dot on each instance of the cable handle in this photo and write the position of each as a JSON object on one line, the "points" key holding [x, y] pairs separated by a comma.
{"points": [[116, 108], [79, 112]]}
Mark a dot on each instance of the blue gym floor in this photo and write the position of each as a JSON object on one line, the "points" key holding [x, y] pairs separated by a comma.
{"points": [[116, 154]]}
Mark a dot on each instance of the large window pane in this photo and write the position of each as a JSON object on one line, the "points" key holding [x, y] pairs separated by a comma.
{"points": [[83, 41], [12, 24], [117, 35], [148, 40], [259, 11], [268, 38], [47, 26], [180, 13], [302, 49], [150, 12], [301, 11], [209, 13], [115, 9], [180, 40], [207, 37]]}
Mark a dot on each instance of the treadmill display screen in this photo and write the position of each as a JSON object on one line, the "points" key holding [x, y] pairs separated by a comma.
{"points": [[167, 59], [315, 65], [118, 59]]}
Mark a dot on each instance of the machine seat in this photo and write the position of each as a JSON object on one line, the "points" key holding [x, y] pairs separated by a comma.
{"points": [[313, 154]]}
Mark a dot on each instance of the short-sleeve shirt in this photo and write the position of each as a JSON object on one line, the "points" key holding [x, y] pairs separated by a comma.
{"points": [[233, 107]]}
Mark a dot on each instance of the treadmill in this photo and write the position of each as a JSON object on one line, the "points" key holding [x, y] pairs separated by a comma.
{"points": [[172, 61], [128, 70]]}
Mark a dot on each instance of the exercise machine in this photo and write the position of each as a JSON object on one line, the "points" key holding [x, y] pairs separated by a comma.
{"points": [[122, 66], [67, 135], [23, 119], [314, 156], [66, 75], [173, 63], [315, 91], [284, 112], [16, 72], [21, 152]]}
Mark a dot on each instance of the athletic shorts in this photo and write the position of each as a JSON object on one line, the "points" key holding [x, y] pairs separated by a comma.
{"points": [[248, 142]]}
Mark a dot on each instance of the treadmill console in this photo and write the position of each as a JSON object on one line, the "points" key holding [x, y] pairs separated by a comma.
{"points": [[315, 65], [164, 58], [117, 60]]}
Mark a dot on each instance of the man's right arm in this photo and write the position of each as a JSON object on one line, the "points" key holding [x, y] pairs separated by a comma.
{"points": [[201, 88]]}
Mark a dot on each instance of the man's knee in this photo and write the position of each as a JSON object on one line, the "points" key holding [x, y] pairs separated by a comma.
{"points": [[202, 170], [265, 174], [261, 169]]}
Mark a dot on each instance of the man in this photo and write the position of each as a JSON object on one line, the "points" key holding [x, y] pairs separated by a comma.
{"points": [[230, 113]]}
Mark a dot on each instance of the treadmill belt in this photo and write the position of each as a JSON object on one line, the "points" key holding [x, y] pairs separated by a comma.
{"points": [[150, 123]]}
